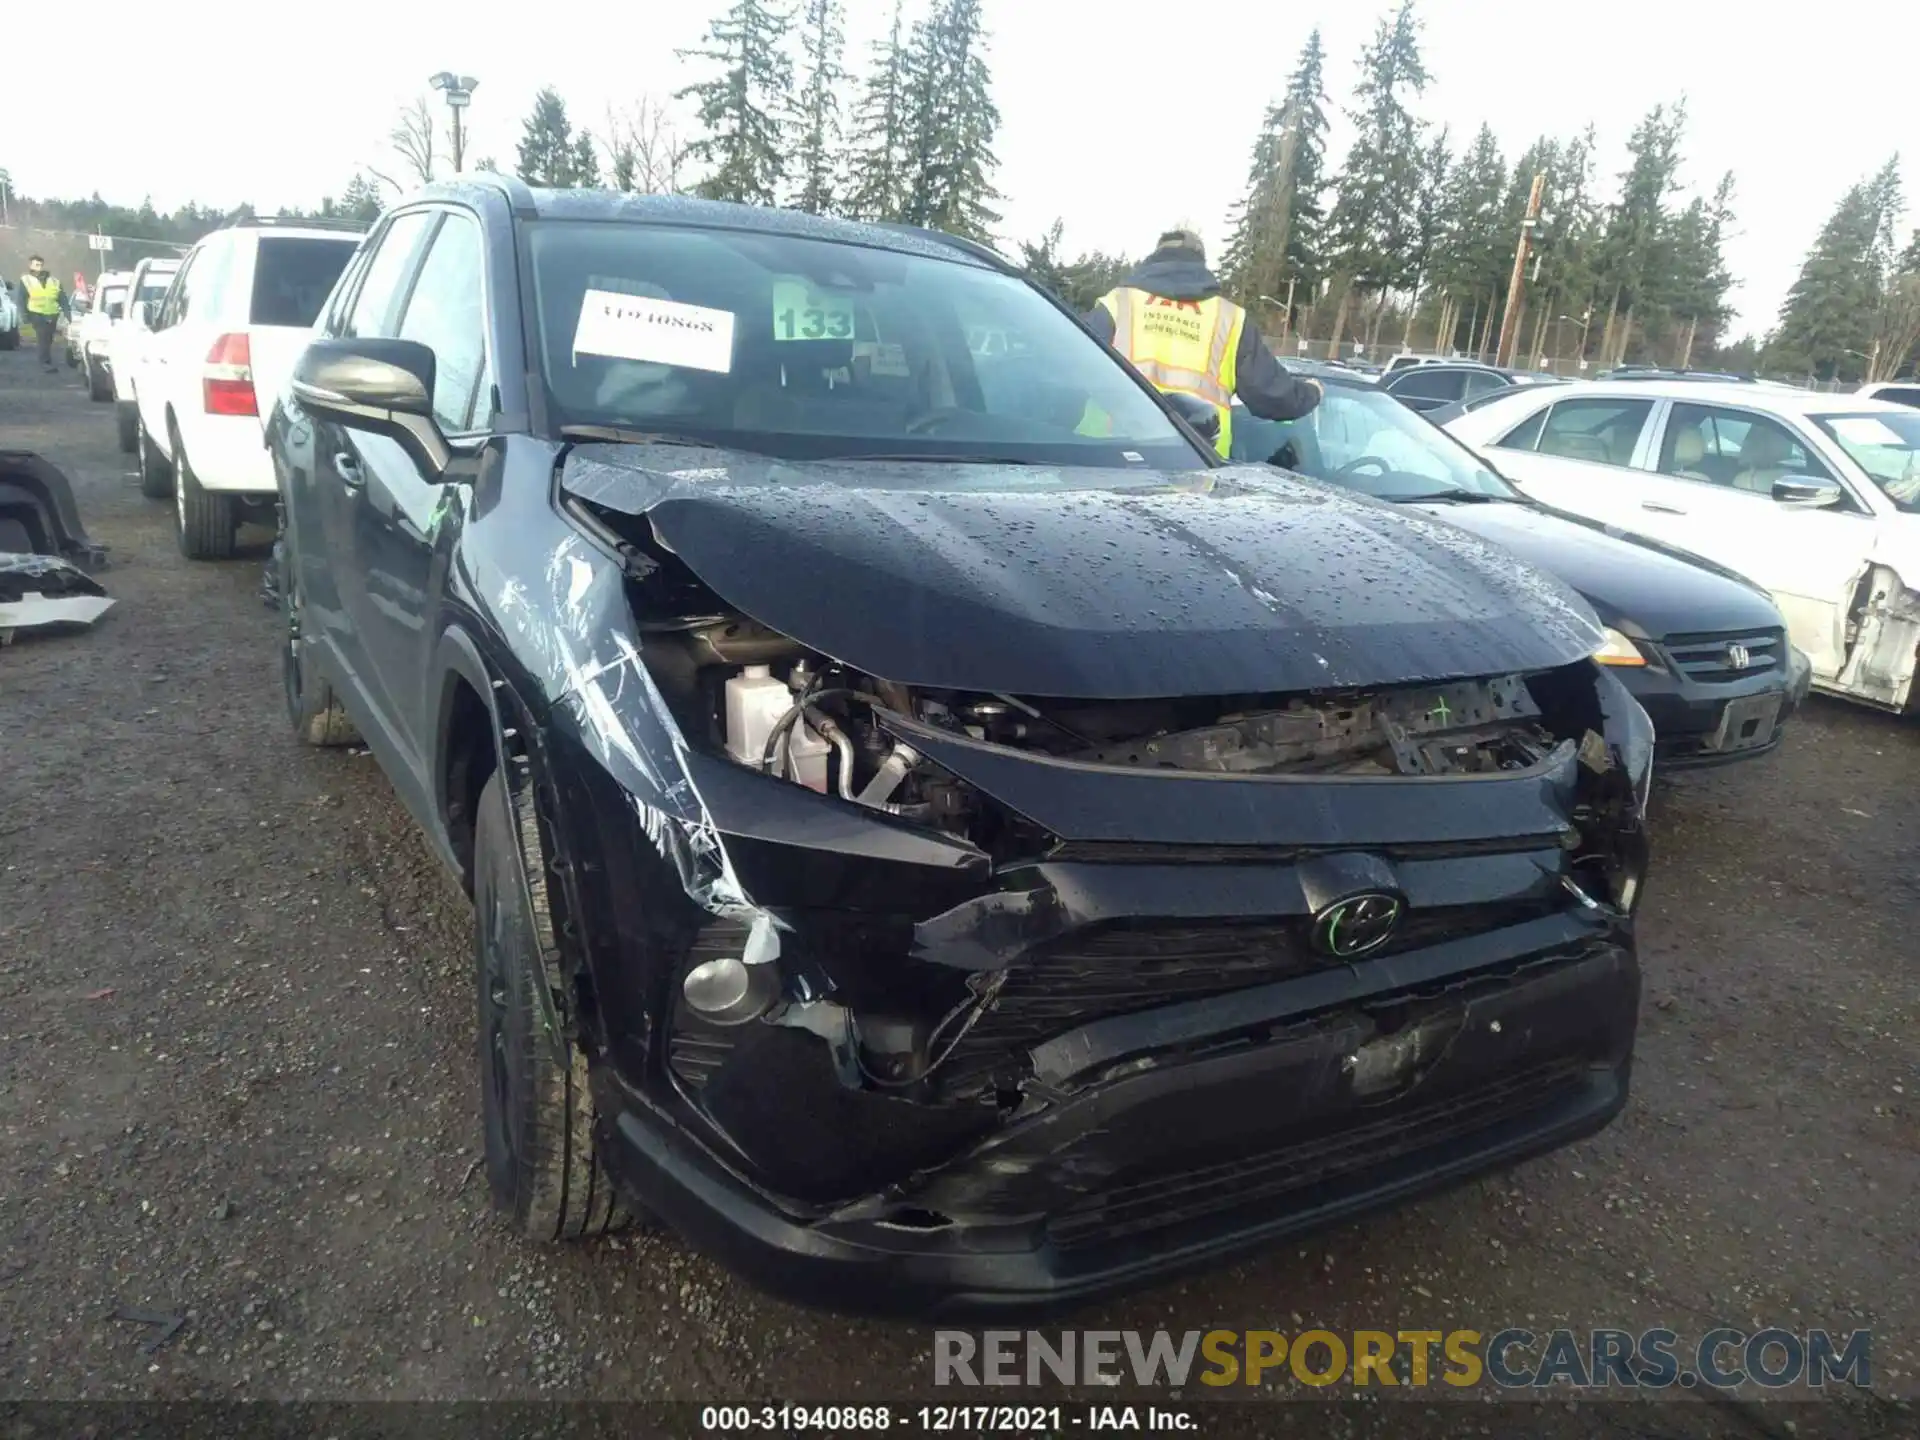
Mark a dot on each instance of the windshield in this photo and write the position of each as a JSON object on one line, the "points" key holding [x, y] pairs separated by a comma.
{"points": [[1368, 441], [1886, 446], [809, 348], [153, 284]]}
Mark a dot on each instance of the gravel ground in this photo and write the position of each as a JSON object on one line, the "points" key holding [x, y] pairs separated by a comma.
{"points": [[237, 1080]]}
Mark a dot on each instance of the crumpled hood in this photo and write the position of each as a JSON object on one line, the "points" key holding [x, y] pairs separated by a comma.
{"points": [[1659, 589], [1090, 584], [1175, 274]]}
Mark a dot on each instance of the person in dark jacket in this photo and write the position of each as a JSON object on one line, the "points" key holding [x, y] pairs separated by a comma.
{"points": [[1169, 319]]}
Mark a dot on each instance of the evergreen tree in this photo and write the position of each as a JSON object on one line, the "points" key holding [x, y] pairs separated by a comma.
{"points": [[741, 107], [586, 163], [818, 116], [1475, 246], [1635, 244], [360, 200], [1274, 230], [950, 96], [1376, 195], [882, 129], [1042, 261], [549, 153], [1832, 307]]}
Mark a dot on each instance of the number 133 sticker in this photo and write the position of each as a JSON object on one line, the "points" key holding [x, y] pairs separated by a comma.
{"points": [[802, 313]]}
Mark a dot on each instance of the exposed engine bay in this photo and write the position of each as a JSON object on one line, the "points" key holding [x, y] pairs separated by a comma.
{"points": [[779, 709]]}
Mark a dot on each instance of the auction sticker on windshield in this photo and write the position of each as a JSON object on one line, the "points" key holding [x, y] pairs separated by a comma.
{"points": [[665, 332], [801, 312]]}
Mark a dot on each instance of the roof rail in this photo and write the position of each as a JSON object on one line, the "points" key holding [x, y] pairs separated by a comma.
{"points": [[301, 222]]}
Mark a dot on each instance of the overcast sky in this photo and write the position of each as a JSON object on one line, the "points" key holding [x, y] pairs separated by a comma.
{"points": [[1119, 117]]}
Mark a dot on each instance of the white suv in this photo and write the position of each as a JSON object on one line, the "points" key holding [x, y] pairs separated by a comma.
{"points": [[1816, 498], [146, 288], [233, 323]]}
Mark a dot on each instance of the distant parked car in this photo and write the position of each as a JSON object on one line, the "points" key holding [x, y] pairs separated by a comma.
{"points": [[1429, 386], [92, 334], [1703, 651], [1893, 392], [229, 330], [146, 288], [1815, 497]]}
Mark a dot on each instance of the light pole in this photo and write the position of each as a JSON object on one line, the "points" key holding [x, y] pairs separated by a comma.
{"points": [[459, 92], [1586, 319]]}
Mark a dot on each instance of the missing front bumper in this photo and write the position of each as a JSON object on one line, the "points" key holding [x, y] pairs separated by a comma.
{"points": [[1194, 1134]]}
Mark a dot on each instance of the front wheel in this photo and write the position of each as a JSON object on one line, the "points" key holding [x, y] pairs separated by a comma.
{"points": [[9, 339], [99, 383], [543, 1167]]}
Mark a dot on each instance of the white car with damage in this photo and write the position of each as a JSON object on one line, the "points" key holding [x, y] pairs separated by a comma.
{"points": [[1814, 497]]}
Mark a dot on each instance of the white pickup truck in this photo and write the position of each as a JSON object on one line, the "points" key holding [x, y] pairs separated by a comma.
{"points": [[146, 288], [220, 349], [91, 335]]}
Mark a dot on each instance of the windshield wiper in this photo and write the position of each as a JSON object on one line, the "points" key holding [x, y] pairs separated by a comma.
{"points": [[1463, 497], [941, 459], [617, 435]]}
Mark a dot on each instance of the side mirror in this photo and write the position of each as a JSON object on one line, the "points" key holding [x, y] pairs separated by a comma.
{"points": [[1806, 492], [1203, 418], [384, 387]]}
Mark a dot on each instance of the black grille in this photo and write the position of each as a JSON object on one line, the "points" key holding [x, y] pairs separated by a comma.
{"points": [[1195, 1192], [1099, 973], [1710, 657]]}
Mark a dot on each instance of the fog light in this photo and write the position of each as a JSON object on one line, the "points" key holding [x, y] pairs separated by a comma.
{"points": [[729, 991]]}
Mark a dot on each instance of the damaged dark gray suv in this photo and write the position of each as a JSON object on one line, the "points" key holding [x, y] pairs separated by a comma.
{"points": [[938, 838]]}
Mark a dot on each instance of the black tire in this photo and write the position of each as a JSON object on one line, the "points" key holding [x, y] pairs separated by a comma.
{"points": [[156, 475], [204, 521], [543, 1166], [126, 422], [9, 339], [316, 715], [99, 383]]}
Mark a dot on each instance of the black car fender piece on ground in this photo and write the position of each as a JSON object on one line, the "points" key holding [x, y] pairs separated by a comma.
{"points": [[37, 512], [43, 549]]}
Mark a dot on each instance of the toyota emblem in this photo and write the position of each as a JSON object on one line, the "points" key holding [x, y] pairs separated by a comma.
{"points": [[1357, 925], [1739, 657]]}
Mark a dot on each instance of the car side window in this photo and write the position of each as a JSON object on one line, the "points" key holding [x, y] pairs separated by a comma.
{"points": [[1428, 381], [1600, 431], [374, 314], [1734, 448], [1901, 396], [446, 313], [333, 322], [1481, 383], [174, 308]]}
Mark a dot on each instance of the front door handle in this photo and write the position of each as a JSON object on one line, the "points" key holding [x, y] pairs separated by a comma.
{"points": [[348, 469], [1660, 509]]}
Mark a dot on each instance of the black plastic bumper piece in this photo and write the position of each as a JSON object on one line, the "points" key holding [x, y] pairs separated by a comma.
{"points": [[1139, 1172]]}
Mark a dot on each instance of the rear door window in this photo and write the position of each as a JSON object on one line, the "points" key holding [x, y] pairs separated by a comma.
{"points": [[1602, 431], [293, 275]]}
